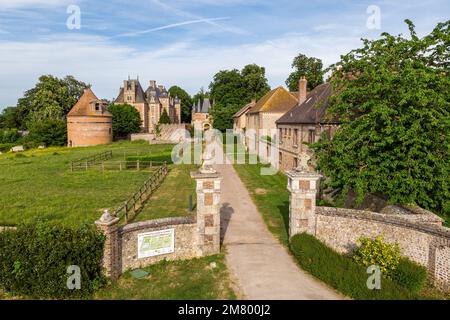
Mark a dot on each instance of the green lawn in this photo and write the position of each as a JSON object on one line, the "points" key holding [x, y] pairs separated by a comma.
{"points": [[39, 184], [171, 199], [175, 280]]}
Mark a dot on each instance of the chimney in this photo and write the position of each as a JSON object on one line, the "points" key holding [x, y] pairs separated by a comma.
{"points": [[302, 90], [153, 83], [253, 101]]}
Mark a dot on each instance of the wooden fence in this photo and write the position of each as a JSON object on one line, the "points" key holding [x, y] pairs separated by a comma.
{"points": [[86, 163], [134, 204]]}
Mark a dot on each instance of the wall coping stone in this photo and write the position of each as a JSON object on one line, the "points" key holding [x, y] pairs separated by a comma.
{"points": [[397, 220], [157, 223]]}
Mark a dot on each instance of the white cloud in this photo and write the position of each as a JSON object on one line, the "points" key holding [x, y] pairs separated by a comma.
{"points": [[105, 64], [13, 4]]}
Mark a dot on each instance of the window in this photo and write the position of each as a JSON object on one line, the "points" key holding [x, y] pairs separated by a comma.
{"points": [[281, 135], [110, 131], [97, 107], [295, 138], [280, 158], [311, 136], [289, 132], [285, 131], [295, 162]]}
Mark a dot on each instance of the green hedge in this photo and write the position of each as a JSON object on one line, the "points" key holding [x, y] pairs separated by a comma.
{"points": [[34, 260], [340, 272], [410, 275], [5, 147]]}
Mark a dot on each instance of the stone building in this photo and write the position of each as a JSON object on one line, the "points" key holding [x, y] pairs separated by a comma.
{"points": [[262, 116], [304, 124], [201, 119], [150, 103], [88, 122], [240, 117]]}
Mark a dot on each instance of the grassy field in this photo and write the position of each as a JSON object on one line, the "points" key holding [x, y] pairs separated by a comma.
{"points": [[171, 199], [38, 184], [178, 280]]}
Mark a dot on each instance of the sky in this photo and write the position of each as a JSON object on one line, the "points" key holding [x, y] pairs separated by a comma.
{"points": [[185, 42]]}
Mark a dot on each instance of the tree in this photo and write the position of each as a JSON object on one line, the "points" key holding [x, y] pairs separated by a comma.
{"points": [[186, 103], [201, 95], [9, 118], [309, 67], [233, 89], [164, 119], [51, 132], [393, 99], [50, 98], [126, 120]]}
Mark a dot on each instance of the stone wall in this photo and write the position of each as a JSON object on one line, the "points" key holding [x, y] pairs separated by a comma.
{"points": [[185, 243], [419, 233], [194, 236]]}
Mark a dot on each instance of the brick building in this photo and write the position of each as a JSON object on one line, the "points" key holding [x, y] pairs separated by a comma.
{"points": [[88, 122], [200, 115], [150, 103], [304, 124]]}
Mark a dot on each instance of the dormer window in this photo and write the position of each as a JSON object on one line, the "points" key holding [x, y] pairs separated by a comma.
{"points": [[97, 107]]}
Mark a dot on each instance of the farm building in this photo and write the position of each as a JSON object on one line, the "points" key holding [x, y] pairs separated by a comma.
{"points": [[89, 123]]}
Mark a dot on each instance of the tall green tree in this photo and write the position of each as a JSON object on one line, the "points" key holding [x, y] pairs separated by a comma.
{"points": [[186, 102], [9, 118], [51, 132], [126, 120], [232, 89], [393, 99], [164, 119], [50, 98], [309, 67]]}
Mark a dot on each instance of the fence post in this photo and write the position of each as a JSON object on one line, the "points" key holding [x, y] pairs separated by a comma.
{"points": [[120, 165], [86, 165], [109, 226], [71, 166], [302, 186], [103, 166], [137, 165]]}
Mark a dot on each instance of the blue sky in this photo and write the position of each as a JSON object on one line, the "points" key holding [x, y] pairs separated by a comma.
{"points": [[185, 42]]}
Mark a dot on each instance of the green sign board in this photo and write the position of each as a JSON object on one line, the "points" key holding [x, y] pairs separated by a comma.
{"points": [[155, 243]]}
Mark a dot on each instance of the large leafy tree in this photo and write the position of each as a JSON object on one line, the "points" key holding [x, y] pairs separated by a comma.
{"points": [[309, 67], [186, 102], [51, 98], [232, 89], [126, 120], [50, 132], [393, 100], [9, 118]]}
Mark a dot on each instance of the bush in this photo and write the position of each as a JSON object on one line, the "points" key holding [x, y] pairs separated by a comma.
{"points": [[340, 272], [34, 260], [410, 275], [5, 147], [50, 132], [377, 252]]}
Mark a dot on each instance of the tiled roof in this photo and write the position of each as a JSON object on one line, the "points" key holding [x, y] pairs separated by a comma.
{"points": [[244, 109], [83, 106], [276, 100], [311, 111]]}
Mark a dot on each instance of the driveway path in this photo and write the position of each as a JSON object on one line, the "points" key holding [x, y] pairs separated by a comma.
{"points": [[258, 262]]}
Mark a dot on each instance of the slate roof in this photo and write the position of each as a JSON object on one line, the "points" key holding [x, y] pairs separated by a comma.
{"points": [[83, 106], [202, 107], [276, 100], [312, 110], [140, 94]]}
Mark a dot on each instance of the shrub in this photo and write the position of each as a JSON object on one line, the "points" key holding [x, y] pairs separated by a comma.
{"points": [[5, 147], [377, 252], [410, 275], [341, 272], [34, 260], [159, 157]]}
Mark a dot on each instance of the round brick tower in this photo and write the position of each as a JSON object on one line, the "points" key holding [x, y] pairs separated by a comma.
{"points": [[89, 123]]}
